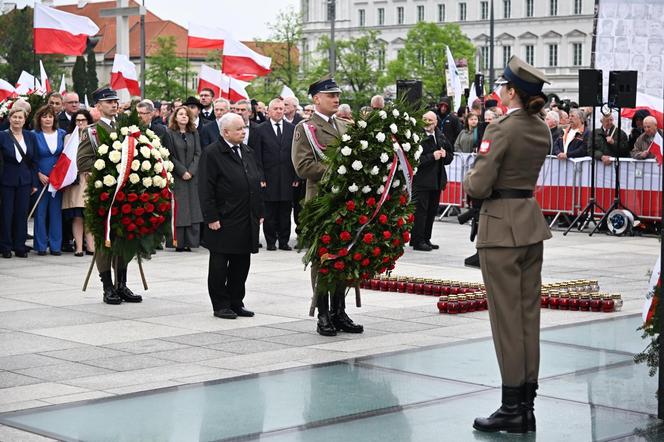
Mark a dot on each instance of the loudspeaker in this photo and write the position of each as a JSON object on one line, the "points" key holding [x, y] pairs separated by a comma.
{"points": [[590, 87], [410, 91], [622, 88]]}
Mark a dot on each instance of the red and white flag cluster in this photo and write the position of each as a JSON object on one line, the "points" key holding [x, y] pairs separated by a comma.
{"points": [[205, 37], [222, 85], [59, 32], [46, 85], [239, 61], [64, 171], [656, 148], [123, 75], [6, 90]]}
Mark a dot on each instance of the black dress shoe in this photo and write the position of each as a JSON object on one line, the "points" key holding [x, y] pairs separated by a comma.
{"points": [[7, 255], [127, 295], [21, 254], [472, 261], [433, 246], [79, 254], [325, 326], [41, 253], [179, 249], [422, 247], [241, 311], [225, 313], [260, 246], [343, 323], [510, 417], [111, 297], [67, 248], [285, 247], [271, 247], [56, 253], [89, 253]]}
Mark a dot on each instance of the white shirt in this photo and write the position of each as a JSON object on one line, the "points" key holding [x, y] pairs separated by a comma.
{"points": [[239, 151], [569, 136], [196, 122], [274, 126], [18, 155], [108, 121], [51, 141], [326, 118]]}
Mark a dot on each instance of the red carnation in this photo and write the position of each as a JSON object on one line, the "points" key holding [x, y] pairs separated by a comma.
{"points": [[339, 265], [403, 200], [387, 234], [368, 238], [365, 262], [165, 193], [125, 220], [406, 236], [131, 236], [132, 197], [115, 211], [342, 251], [376, 251], [120, 196], [400, 222], [322, 251], [323, 271], [350, 205], [131, 227], [104, 196], [411, 218], [163, 207], [139, 211], [371, 201], [155, 197], [140, 221], [382, 219], [386, 259], [339, 220], [326, 239], [149, 207], [396, 242], [161, 219], [382, 270], [144, 230], [363, 219], [126, 208], [345, 236], [101, 211], [144, 197], [357, 256], [154, 220]]}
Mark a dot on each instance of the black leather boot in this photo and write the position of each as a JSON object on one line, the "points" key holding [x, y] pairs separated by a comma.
{"points": [[530, 392], [511, 415], [110, 294], [122, 289], [325, 326], [340, 319]]}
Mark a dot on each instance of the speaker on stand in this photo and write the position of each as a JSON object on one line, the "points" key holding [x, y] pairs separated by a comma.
{"points": [[410, 91]]}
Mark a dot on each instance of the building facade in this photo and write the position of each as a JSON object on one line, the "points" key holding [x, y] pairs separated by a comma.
{"points": [[553, 35]]}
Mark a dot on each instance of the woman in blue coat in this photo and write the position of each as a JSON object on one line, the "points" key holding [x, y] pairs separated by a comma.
{"points": [[18, 181], [48, 216]]}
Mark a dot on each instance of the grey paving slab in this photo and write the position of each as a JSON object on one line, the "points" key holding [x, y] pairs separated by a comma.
{"points": [[10, 305], [40, 318], [246, 346], [304, 339], [16, 343], [63, 371], [203, 339], [146, 346], [149, 307], [256, 332], [10, 379], [402, 326], [83, 353], [26, 361], [37, 391], [191, 354], [128, 362], [12, 434]]}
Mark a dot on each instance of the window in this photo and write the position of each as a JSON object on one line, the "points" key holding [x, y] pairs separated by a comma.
{"points": [[578, 6], [530, 54], [330, 11], [381, 16], [420, 13], [507, 54], [462, 11], [484, 10], [577, 54], [381, 59], [441, 13], [484, 58], [362, 17], [530, 8], [305, 11], [553, 7], [553, 55], [400, 15], [507, 8]]}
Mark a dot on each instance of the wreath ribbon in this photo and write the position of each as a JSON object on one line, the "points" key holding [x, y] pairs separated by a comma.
{"points": [[127, 157]]}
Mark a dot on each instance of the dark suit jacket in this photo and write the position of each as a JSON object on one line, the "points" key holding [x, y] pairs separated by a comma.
{"points": [[17, 174], [577, 148], [431, 173], [210, 133], [229, 192], [253, 137], [211, 117], [296, 119], [158, 129], [63, 121], [274, 161]]}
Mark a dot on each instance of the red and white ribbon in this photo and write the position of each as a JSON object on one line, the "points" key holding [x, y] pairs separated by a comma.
{"points": [[127, 156], [406, 168], [316, 147]]}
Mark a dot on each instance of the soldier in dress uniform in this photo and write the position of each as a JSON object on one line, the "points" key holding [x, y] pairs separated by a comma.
{"points": [[510, 240], [106, 102], [326, 129]]}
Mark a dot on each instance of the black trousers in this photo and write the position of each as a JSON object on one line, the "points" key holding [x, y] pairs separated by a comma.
{"points": [[277, 222], [227, 274], [299, 193], [426, 207]]}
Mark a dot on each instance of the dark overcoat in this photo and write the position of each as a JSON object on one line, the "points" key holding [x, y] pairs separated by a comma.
{"points": [[274, 161], [431, 173], [185, 156]]}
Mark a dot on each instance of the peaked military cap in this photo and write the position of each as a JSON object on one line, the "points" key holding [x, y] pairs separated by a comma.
{"points": [[325, 85], [523, 76], [104, 93]]}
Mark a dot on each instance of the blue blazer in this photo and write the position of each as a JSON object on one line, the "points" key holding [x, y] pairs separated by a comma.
{"points": [[44, 158], [17, 174]]}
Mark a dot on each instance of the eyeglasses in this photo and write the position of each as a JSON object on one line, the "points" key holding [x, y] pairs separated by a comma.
{"points": [[81, 120], [72, 102]]}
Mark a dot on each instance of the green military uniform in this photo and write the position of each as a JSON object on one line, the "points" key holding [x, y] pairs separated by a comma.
{"points": [[309, 166], [510, 239]]}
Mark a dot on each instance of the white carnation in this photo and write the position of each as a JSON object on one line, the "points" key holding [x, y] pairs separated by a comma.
{"points": [[393, 128], [99, 164], [143, 139], [117, 145], [146, 165], [346, 151], [103, 149], [168, 165], [416, 138], [374, 170], [109, 180], [384, 178], [420, 149], [342, 170], [345, 138], [395, 112], [406, 116], [417, 154], [145, 151], [147, 182], [118, 167], [98, 184], [135, 165], [114, 136], [163, 183], [124, 131], [380, 190], [408, 133], [335, 189], [382, 114], [170, 177], [115, 156], [164, 152], [396, 183], [133, 128], [150, 133], [406, 147], [413, 121], [158, 168], [362, 124], [364, 144], [156, 181], [156, 154], [380, 137], [366, 189], [384, 157], [134, 178], [156, 142], [353, 188], [357, 165]]}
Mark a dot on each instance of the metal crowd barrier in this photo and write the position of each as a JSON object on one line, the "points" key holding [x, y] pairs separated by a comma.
{"points": [[454, 195]]}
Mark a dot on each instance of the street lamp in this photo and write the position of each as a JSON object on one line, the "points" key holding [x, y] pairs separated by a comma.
{"points": [[331, 15]]}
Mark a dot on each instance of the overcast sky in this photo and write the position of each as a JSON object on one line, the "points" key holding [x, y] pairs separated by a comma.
{"points": [[245, 19]]}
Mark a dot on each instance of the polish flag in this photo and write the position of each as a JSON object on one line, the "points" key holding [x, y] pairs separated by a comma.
{"points": [[27, 84], [241, 62], [648, 102], [65, 171], [63, 86], [46, 85], [206, 37], [234, 89], [286, 92], [123, 75], [6, 90], [210, 78], [59, 32], [656, 148]]}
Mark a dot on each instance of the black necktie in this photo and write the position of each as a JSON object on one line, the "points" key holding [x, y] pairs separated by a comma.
{"points": [[236, 149], [278, 130]]}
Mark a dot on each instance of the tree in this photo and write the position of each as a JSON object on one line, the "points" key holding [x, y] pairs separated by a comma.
{"points": [[424, 57], [165, 74], [91, 81], [79, 78]]}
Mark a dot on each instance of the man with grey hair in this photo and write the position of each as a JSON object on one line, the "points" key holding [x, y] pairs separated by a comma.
{"points": [[211, 132], [145, 110], [552, 120], [229, 192], [243, 108], [641, 149], [609, 143], [345, 113], [377, 102], [290, 110]]}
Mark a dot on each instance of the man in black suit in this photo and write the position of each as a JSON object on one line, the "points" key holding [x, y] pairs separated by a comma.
{"points": [[229, 192], [211, 132], [243, 108], [429, 181], [206, 97], [300, 188], [195, 107], [71, 104], [273, 152], [146, 112]]}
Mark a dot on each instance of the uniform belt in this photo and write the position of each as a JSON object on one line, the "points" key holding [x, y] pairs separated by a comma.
{"points": [[510, 193]]}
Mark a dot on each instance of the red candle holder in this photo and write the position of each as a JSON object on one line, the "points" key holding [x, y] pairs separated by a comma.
{"points": [[427, 288], [410, 286], [401, 286], [392, 285], [437, 289], [384, 285], [595, 303], [484, 305], [452, 305], [574, 302], [607, 304], [584, 303], [442, 304], [472, 303], [554, 300], [463, 304], [544, 299], [419, 287], [564, 302]]}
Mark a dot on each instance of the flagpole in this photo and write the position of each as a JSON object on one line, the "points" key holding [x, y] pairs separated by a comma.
{"points": [[34, 66], [186, 68], [660, 305]]}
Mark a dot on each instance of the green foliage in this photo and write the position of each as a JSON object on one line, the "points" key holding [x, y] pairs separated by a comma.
{"points": [[165, 73], [650, 355], [91, 81], [17, 48], [79, 78], [424, 57]]}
